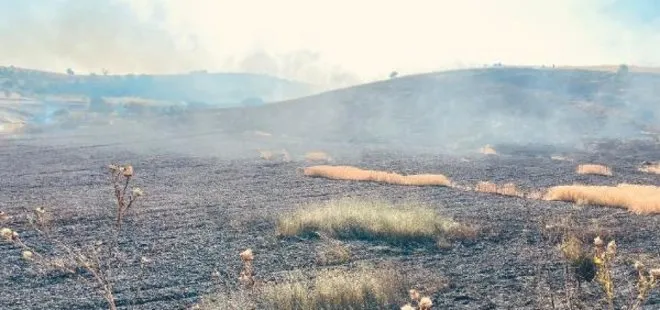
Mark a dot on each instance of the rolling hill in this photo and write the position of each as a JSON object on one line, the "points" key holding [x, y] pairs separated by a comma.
{"points": [[472, 107], [38, 97]]}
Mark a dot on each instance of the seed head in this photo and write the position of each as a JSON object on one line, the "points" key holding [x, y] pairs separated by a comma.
{"points": [[598, 241], [425, 303], [407, 307], [638, 266], [414, 295], [128, 171], [27, 255], [7, 234], [247, 255], [3, 216], [40, 210]]}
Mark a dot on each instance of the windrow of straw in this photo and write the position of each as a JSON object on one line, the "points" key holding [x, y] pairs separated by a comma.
{"points": [[640, 199], [594, 169], [357, 174]]}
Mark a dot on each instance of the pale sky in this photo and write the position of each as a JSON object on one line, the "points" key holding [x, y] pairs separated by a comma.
{"points": [[325, 42]]}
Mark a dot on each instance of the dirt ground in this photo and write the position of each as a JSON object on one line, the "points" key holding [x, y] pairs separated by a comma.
{"points": [[200, 210]]}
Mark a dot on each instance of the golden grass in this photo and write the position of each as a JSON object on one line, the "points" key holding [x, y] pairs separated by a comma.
{"points": [[508, 189], [317, 156], [593, 169], [365, 219], [640, 199], [365, 288], [357, 174], [333, 253], [488, 150], [651, 168]]}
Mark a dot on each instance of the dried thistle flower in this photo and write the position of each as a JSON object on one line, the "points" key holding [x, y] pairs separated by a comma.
{"points": [[27, 255], [407, 307], [638, 266], [128, 171], [598, 241], [7, 234], [414, 295], [425, 303], [247, 255]]}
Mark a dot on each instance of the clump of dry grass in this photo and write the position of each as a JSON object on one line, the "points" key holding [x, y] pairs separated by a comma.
{"points": [[357, 174], [316, 156], [650, 168], [365, 219], [508, 189], [593, 169], [333, 252], [364, 288], [640, 199], [487, 150]]}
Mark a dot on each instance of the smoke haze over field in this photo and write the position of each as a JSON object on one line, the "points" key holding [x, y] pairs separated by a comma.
{"points": [[329, 43], [341, 43]]}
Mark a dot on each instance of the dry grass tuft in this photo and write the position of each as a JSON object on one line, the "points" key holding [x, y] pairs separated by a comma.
{"points": [[317, 156], [650, 168], [361, 219], [365, 288], [487, 150], [508, 189], [357, 174], [594, 169], [333, 253], [640, 199]]}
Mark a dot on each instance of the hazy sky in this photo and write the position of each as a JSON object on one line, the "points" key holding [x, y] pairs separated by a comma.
{"points": [[325, 42]]}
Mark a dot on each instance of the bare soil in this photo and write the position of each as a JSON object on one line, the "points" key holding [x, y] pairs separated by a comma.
{"points": [[200, 211]]}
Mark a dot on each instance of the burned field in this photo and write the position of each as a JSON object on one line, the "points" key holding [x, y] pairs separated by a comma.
{"points": [[199, 212]]}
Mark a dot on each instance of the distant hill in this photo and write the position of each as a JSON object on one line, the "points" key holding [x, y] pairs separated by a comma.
{"points": [[32, 97], [216, 89], [468, 107]]}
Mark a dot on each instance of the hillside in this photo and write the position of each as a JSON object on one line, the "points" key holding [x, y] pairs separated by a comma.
{"points": [[471, 107]]}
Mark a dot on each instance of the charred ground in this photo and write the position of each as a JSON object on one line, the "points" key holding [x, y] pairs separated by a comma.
{"points": [[201, 211]]}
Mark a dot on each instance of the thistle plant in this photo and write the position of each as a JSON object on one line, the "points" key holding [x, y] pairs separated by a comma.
{"points": [[91, 264], [423, 303], [603, 259], [647, 280], [246, 276]]}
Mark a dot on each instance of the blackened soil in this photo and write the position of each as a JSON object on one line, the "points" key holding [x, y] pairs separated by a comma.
{"points": [[201, 211]]}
